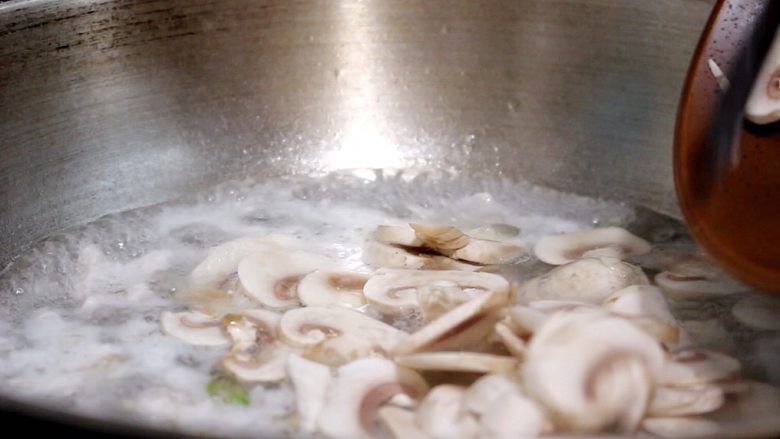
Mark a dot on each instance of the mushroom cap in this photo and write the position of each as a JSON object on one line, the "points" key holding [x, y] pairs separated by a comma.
{"points": [[272, 277], [381, 255], [592, 369], [613, 242], [223, 259], [328, 287], [685, 401], [697, 366], [305, 327], [358, 390], [458, 362], [588, 280], [310, 381], [194, 328], [465, 323], [397, 291], [758, 311], [440, 414]]}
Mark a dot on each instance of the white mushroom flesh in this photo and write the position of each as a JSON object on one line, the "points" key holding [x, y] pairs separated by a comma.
{"points": [[695, 278], [194, 328], [685, 401], [272, 277], [398, 291], [400, 423], [588, 280], [458, 362], [763, 104], [697, 366], [513, 415], [440, 414], [440, 238], [310, 381], [592, 370], [758, 311], [613, 242], [324, 288], [357, 392]]}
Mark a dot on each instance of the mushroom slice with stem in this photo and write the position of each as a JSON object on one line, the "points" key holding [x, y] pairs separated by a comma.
{"points": [[696, 278], [685, 401], [357, 392], [613, 242], [697, 366], [400, 423], [305, 327], [223, 260], [310, 381], [272, 277], [467, 323], [441, 416], [440, 238], [338, 351], [458, 362], [592, 370], [257, 354], [526, 320], [194, 328], [758, 311], [341, 288], [588, 280], [398, 291]]}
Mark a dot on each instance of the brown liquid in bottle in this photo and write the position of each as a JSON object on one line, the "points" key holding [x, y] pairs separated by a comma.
{"points": [[738, 222]]}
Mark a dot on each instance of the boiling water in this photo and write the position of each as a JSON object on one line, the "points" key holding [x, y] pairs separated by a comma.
{"points": [[79, 318]]}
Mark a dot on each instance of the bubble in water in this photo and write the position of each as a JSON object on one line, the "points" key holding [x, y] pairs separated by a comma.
{"points": [[18, 291]]}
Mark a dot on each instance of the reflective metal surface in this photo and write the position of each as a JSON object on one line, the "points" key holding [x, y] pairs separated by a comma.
{"points": [[108, 105]]}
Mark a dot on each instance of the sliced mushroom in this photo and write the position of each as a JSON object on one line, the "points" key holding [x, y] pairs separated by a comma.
{"points": [[225, 299], [613, 242], [707, 334], [486, 390], [685, 401], [272, 277], [257, 354], [513, 343], [306, 327], [398, 235], [592, 370], [525, 320], [755, 412], [380, 255], [467, 323], [400, 423], [640, 300], [512, 415], [310, 381], [338, 351], [697, 366], [696, 278], [588, 280], [257, 364], [358, 390], [763, 104], [341, 288], [223, 260], [194, 328], [440, 238], [398, 291], [440, 414], [458, 362], [486, 252], [758, 312], [681, 427]]}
